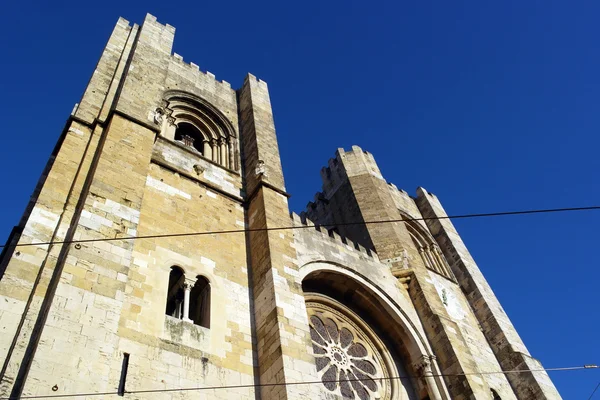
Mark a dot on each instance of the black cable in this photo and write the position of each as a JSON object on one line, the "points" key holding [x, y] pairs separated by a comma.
{"points": [[495, 214], [248, 386], [592, 395]]}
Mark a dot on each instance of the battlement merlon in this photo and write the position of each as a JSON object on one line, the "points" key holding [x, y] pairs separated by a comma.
{"points": [[346, 164], [358, 162], [194, 72], [329, 235], [159, 36]]}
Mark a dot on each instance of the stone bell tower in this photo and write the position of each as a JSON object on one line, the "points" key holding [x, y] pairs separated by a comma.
{"points": [[466, 325], [155, 147]]}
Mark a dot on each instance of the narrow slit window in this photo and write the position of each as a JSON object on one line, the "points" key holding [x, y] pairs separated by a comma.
{"points": [[124, 368]]}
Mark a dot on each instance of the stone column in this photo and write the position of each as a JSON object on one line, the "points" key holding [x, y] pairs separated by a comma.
{"points": [[424, 256], [207, 150], [231, 153], [215, 151], [188, 284], [425, 367], [435, 263], [170, 128], [224, 159], [440, 259]]}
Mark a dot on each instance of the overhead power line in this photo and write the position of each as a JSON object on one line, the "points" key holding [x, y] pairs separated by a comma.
{"points": [[592, 395], [182, 234], [251, 386]]}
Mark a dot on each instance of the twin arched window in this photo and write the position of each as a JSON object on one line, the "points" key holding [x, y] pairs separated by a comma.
{"points": [[188, 299]]}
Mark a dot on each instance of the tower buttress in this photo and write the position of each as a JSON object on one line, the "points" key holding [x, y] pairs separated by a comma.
{"points": [[282, 330], [495, 324], [97, 91]]}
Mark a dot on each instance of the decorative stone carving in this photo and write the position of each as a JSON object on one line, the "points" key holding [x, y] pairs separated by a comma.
{"points": [[170, 120], [198, 169], [163, 111], [260, 168], [404, 256], [158, 116], [424, 364]]}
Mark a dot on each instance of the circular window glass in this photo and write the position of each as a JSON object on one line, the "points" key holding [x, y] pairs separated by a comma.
{"points": [[347, 361]]}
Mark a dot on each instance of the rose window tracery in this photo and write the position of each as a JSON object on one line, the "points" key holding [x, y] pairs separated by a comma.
{"points": [[347, 361]]}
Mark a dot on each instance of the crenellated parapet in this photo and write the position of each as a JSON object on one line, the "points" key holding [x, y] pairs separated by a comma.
{"points": [[328, 234], [333, 204], [194, 73]]}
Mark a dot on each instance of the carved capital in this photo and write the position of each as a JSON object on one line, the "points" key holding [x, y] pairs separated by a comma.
{"points": [[424, 364], [188, 283]]}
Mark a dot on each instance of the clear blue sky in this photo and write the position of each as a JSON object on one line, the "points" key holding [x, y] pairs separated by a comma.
{"points": [[492, 106]]}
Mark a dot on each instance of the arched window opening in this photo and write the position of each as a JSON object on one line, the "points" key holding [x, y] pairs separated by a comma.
{"points": [[495, 395], [196, 123], [200, 302], [189, 135], [430, 252], [175, 293]]}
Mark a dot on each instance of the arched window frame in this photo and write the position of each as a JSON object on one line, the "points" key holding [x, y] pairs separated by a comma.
{"points": [[175, 292], [200, 299], [219, 139], [431, 254]]}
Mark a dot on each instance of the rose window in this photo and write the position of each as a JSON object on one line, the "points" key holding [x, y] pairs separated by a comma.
{"points": [[347, 362]]}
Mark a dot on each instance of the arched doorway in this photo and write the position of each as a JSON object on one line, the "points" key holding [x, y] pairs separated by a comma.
{"points": [[360, 352]]}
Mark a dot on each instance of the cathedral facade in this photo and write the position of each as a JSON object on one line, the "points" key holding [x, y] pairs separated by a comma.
{"points": [[273, 305]]}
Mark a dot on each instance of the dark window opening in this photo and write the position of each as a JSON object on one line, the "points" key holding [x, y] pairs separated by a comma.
{"points": [[495, 395], [175, 293], [189, 135], [124, 367], [200, 302]]}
